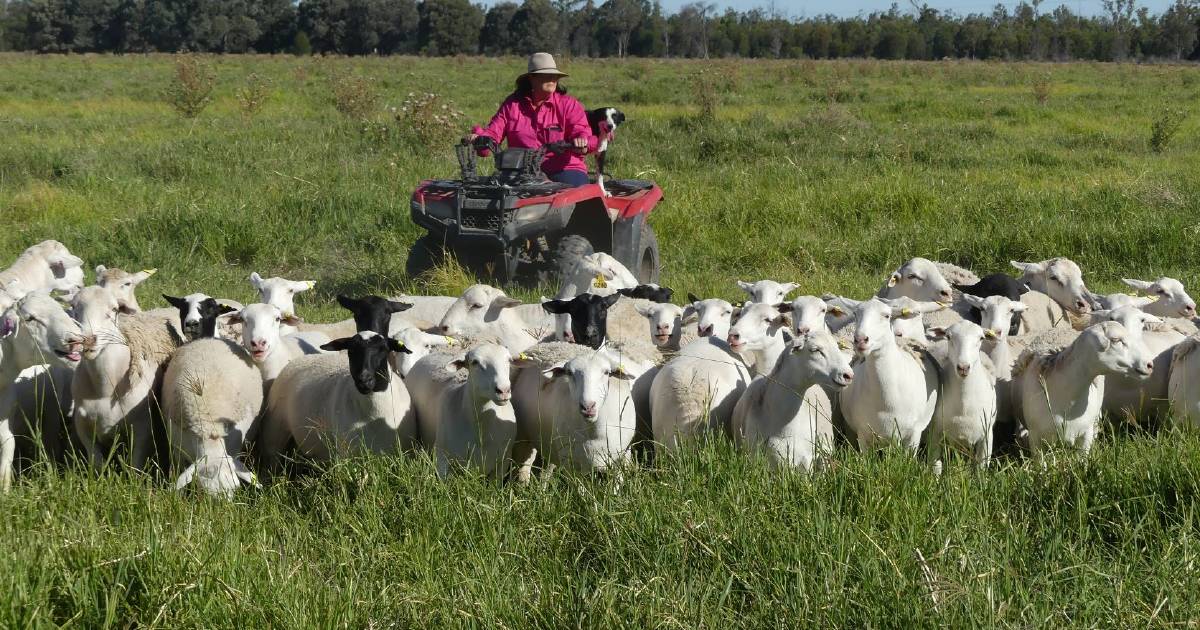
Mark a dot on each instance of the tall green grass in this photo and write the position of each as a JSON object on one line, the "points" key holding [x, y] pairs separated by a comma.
{"points": [[827, 174]]}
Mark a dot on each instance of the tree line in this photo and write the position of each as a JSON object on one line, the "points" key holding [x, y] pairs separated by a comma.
{"points": [[583, 28]]}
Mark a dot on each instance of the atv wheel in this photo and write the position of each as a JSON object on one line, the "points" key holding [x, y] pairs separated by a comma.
{"points": [[648, 267], [425, 254], [570, 250]]}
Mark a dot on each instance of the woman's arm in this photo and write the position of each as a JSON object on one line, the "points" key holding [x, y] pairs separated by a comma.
{"points": [[498, 125], [577, 126]]}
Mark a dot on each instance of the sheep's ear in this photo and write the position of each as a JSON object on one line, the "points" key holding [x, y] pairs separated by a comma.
{"points": [[100, 269], [693, 299], [609, 300], [840, 306], [643, 309], [290, 319], [627, 290], [555, 371], [177, 302], [936, 332], [396, 307], [142, 275], [689, 314], [60, 263], [303, 285], [1083, 322], [395, 346], [894, 279], [1027, 267], [505, 302], [745, 286], [788, 287], [337, 345], [784, 320], [1140, 285], [458, 364], [255, 279], [225, 309], [1147, 318], [558, 307], [906, 312], [1019, 307], [973, 300], [619, 371], [185, 478], [348, 303], [236, 318]]}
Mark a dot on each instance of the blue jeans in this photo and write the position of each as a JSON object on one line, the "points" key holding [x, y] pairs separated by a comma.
{"points": [[571, 178]]}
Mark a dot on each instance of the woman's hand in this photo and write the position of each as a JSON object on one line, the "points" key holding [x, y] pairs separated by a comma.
{"points": [[469, 138], [581, 145]]}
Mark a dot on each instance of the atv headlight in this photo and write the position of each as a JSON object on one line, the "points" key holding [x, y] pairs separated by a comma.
{"points": [[533, 212]]}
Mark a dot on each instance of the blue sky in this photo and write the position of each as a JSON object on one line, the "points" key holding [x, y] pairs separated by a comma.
{"points": [[803, 8]]}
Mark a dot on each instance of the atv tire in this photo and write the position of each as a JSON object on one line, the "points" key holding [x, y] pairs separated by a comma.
{"points": [[425, 254], [649, 266], [570, 250]]}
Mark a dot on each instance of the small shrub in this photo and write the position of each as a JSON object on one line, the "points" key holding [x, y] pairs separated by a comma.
{"points": [[191, 89], [1164, 127], [428, 119], [708, 97], [301, 46], [253, 95], [1041, 89], [354, 96]]}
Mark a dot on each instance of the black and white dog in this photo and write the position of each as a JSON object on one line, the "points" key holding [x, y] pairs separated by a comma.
{"points": [[604, 123]]}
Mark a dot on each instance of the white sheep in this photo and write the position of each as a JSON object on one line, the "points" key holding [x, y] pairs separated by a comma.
{"points": [[599, 271], [333, 404], [1060, 392], [1165, 297], [1059, 278], [466, 420], [34, 331], [419, 344], [486, 310], [212, 397], [123, 284], [1144, 398], [787, 414], [115, 384], [695, 392], [269, 348], [280, 293], [759, 336], [47, 266], [666, 324], [575, 406], [1184, 387], [809, 314], [714, 316], [920, 279], [894, 392], [767, 291], [965, 415]]}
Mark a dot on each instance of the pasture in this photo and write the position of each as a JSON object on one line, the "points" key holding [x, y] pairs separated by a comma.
{"points": [[828, 174]]}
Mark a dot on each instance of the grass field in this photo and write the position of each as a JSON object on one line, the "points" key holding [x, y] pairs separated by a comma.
{"points": [[827, 174]]}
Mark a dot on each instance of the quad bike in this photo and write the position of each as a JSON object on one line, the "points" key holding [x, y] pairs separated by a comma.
{"points": [[515, 225]]}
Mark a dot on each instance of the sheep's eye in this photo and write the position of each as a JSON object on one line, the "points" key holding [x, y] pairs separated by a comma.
{"points": [[30, 319], [278, 320], [913, 276], [1055, 280], [1162, 291], [128, 284], [476, 306]]}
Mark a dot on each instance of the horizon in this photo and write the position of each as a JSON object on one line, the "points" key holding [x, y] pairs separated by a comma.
{"points": [[794, 9]]}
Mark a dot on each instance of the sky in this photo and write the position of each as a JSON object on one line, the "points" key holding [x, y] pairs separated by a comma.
{"points": [[847, 8]]}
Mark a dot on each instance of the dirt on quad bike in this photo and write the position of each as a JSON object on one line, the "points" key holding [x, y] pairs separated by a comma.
{"points": [[516, 226]]}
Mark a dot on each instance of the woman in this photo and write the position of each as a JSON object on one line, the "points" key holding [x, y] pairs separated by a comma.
{"points": [[539, 112]]}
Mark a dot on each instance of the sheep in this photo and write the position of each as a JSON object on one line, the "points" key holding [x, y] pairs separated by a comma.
{"points": [[787, 414], [758, 336], [1166, 298], [599, 270], [1184, 385], [212, 397], [1061, 279], [123, 284], [910, 327], [330, 404], [588, 316], [483, 309], [1061, 392], [1138, 398], [955, 274], [419, 345], [997, 284], [268, 347], [200, 316], [694, 393], [666, 325], [809, 314], [919, 279], [466, 420], [280, 293], [713, 316], [767, 291], [47, 266], [652, 292], [965, 415], [115, 385], [1041, 313], [895, 388], [34, 331], [575, 406], [996, 314]]}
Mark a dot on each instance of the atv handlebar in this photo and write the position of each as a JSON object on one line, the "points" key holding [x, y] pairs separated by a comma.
{"points": [[484, 143]]}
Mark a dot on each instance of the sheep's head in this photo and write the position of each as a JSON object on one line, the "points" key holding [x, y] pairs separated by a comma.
{"points": [[279, 292], [478, 305], [1132, 318], [1118, 352], [96, 309], [713, 316], [367, 353], [198, 314], [817, 353], [666, 321], [602, 267], [1172, 300], [808, 314], [260, 328], [964, 342], [998, 316], [873, 322], [419, 344], [41, 332], [756, 326], [589, 379], [123, 284], [920, 280], [66, 269], [488, 373], [909, 327], [218, 476], [1061, 279], [589, 316], [767, 291], [372, 312]]}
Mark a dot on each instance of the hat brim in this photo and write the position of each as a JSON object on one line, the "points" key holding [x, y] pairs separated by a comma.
{"points": [[550, 73]]}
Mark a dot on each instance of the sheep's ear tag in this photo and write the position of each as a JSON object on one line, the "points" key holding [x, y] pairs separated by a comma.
{"points": [[311, 283], [451, 341], [1152, 298], [522, 357], [989, 333], [150, 272], [599, 282], [836, 311], [843, 345], [892, 280], [905, 312]]}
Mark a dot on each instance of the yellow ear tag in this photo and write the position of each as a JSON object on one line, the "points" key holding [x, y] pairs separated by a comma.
{"points": [[1153, 298], [599, 282], [843, 345], [311, 283], [905, 312], [835, 311], [150, 272], [523, 357], [451, 341]]}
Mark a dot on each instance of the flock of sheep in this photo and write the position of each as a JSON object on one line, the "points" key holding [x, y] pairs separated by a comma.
{"points": [[939, 359]]}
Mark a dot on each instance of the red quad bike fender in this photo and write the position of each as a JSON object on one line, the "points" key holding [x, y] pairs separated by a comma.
{"points": [[625, 207]]}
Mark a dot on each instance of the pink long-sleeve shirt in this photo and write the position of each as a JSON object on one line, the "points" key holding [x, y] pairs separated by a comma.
{"points": [[524, 126]]}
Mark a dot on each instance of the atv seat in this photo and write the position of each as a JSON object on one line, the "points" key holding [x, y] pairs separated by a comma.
{"points": [[626, 186]]}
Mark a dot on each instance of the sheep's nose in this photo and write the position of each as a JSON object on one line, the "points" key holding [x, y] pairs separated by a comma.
{"points": [[846, 377], [1189, 310], [734, 337], [803, 330], [945, 295], [963, 369], [1082, 306], [587, 408], [258, 344], [704, 331], [445, 329], [1148, 368]]}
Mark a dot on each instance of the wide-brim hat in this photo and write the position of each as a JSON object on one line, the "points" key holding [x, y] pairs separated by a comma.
{"points": [[542, 64]]}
